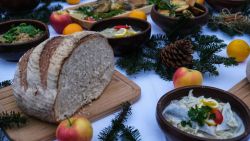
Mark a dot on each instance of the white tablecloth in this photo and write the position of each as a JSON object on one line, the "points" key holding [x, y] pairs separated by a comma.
{"points": [[152, 88]]}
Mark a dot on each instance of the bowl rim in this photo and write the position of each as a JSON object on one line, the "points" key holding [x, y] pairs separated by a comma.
{"points": [[175, 18], [125, 18], [33, 22], [227, 1], [166, 123]]}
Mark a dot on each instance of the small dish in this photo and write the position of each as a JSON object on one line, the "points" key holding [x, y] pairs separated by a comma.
{"points": [[176, 134], [12, 52], [125, 45], [167, 23]]}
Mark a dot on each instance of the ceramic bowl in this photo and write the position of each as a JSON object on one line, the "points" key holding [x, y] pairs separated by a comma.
{"points": [[125, 45], [174, 134], [168, 24], [12, 52], [233, 5], [18, 5]]}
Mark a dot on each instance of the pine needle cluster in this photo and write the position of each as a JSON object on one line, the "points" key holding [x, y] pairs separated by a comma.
{"points": [[11, 119], [207, 48], [117, 130], [5, 83], [147, 56], [41, 13]]}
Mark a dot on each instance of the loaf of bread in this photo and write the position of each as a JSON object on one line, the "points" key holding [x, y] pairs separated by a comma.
{"points": [[62, 74]]}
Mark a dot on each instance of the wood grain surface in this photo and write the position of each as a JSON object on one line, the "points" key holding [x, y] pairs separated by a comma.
{"points": [[242, 90], [117, 92]]}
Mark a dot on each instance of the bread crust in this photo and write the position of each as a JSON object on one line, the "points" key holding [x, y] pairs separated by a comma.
{"points": [[36, 80]]}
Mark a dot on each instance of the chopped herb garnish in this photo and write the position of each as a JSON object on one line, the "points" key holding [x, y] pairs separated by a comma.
{"points": [[89, 12], [12, 34], [212, 116], [185, 123], [199, 115]]}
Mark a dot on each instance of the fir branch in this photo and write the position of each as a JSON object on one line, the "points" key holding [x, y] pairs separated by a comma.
{"points": [[11, 119], [111, 133], [5, 83], [130, 134], [147, 57], [206, 47]]}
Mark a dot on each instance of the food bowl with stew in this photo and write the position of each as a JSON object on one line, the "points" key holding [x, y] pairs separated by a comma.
{"points": [[18, 36], [123, 33], [178, 25], [202, 113]]}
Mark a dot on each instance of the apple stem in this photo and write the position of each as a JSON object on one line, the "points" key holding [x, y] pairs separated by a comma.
{"points": [[70, 123]]}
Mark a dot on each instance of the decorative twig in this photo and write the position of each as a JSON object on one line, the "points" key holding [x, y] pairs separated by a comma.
{"points": [[230, 23]]}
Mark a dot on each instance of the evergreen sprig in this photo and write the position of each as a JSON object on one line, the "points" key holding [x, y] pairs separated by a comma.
{"points": [[5, 83], [41, 13], [130, 134], [11, 119], [117, 129], [147, 56]]}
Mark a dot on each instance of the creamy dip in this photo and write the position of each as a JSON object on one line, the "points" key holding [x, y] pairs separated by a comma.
{"points": [[222, 124]]}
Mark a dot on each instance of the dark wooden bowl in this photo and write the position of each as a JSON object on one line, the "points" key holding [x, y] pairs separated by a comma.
{"points": [[233, 5], [125, 45], [176, 134], [12, 52], [168, 24], [18, 5]]}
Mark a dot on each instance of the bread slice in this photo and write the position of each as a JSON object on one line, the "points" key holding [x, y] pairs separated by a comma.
{"points": [[62, 74]]}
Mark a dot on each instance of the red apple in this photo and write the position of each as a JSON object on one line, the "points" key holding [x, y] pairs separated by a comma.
{"points": [[59, 20], [74, 129], [185, 77]]}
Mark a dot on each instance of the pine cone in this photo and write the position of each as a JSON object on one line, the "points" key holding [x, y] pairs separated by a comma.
{"points": [[177, 54]]}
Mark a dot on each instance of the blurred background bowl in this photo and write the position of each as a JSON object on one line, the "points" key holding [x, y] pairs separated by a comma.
{"points": [[174, 134], [233, 5], [13, 51], [18, 5], [167, 23], [124, 45]]}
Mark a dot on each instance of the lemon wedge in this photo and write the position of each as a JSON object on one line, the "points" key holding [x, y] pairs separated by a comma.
{"points": [[210, 103], [210, 122], [121, 33]]}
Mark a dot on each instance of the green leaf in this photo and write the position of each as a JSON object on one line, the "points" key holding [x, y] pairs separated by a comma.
{"points": [[199, 115]]}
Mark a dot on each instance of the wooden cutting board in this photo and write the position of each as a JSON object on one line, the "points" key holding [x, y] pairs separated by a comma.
{"points": [[117, 92], [242, 90]]}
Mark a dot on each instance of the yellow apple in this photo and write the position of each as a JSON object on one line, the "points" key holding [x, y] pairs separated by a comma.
{"points": [[186, 77]]}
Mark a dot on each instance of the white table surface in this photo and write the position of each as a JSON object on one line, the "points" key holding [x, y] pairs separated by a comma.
{"points": [[153, 87]]}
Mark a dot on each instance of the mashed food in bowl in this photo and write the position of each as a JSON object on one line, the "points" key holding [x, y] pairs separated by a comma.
{"points": [[204, 117]]}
